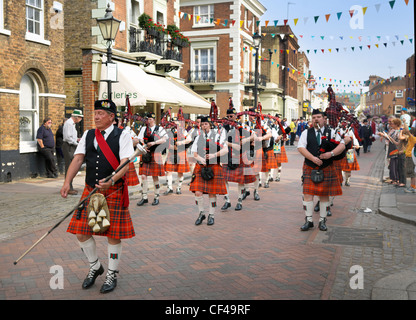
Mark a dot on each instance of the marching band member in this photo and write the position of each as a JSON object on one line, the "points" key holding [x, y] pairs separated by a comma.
{"points": [[151, 137], [207, 177], [349, 162], [103, 149]]}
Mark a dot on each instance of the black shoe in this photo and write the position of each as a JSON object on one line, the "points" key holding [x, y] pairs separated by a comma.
{"points": [[178, 191], [245, 194], [322, 225], [92, 275], [142, 202], [239, 206], [316, 209], [266, 185], [226, 206], [277, 179], [200, 219], [210, 220], [307, 225], [256, 195], [347, 183], [270, 179], [168, 191], [328, 213], [110, 282], [155, 202]]}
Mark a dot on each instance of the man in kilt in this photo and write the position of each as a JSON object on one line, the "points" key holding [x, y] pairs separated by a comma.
{"points": [[152, 137], [119, 143], [177, 159], [207, 177], [311, 145], [236, 169]]}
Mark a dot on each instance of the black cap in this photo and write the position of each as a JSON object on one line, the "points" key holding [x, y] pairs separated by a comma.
{"points": [[231, 111], [107, 105], [317, 111], [205, 119]]}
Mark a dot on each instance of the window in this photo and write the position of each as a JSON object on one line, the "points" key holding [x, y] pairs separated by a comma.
{"points": [[398, 109], [35, 21], [134, 12], [204, 66], [399, 94], [29, 110], [205, 14]]}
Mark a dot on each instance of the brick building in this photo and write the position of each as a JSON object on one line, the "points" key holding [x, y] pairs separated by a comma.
{"points": [[31, 81], [220, 61], [410, 84]]}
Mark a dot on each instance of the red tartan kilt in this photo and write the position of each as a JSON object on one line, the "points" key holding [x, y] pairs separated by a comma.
{"points": [[243, 174], [268, 163], [350, 166], [181, 167], [214, 186], [329, 187], [338, 170], [282, 156], [121, 225], [131, 175], [154, 168]]}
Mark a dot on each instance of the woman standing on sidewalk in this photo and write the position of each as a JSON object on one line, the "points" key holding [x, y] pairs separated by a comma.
{"points": [[410, 137]]}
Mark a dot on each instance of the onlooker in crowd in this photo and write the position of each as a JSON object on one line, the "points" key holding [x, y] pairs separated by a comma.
{"points": [[292, 132], [365, 134], [46, 144], [59, 138], [70, 142], [410, 137], [405, 117], [302, 125], [372, 125]]}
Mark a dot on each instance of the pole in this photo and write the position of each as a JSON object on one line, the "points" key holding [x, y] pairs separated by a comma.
{"points": [[109, 55], [256, 77]]}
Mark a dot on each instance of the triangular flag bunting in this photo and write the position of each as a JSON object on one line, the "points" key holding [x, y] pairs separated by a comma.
{"points": [[266, 23], [378, 7], [351, 12], [275, 22], [339, 15], [295, 21], [305, 20], [392, 3], [327, 17], [316, 18], [285, 21], [364, 10]]}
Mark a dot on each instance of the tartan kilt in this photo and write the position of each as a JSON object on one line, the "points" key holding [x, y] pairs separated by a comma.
{"points": [[268, 163], [329, 187], [350, 166], [132, 178], [214, 186], [243, 174], [121, 225], [181, 167], [282, 156], [155, 168], [338, 169]]}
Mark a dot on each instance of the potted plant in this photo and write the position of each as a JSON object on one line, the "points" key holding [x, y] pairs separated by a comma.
{"points": [[145, 22]]}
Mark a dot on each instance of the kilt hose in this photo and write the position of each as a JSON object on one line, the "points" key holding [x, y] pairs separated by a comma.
{"points": [[214, 186], [268, 162], [181, 167], [345, 166], [329, 187], [155, 168], [282, 156], [338, 170], [121, 225], [131, 176], [243, 174]]}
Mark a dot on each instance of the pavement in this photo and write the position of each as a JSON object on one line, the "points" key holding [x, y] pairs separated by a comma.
{"points": [[255, 254]]}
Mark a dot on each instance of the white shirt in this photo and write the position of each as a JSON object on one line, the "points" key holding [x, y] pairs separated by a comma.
{"points": [[126, 143], [211, 135], [303, 140], [70, 132], [161, 132]]}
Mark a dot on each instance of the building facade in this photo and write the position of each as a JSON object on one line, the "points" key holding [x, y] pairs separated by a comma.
{"points": [[31, 81]]}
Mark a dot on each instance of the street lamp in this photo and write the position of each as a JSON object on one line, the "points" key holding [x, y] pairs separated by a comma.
{"points": [[256, 44], [394, 105], [109, 27]]}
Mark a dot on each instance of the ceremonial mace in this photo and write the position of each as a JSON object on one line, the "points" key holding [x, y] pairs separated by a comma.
{"points": [[139, 151]]}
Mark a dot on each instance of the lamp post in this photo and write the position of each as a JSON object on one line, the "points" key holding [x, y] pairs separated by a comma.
{"points": [[256, 44], [109, 27], [394, 105]]}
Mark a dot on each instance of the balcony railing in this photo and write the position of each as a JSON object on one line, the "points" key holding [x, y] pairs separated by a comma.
{"points": [[201, 76], [249, 78]]}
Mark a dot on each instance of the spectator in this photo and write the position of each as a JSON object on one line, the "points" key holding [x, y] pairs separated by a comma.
{"points": [[410, 137], [292, 132], [302, 125], [59, 138], [365, 135], [405, 117], [46, 144]]}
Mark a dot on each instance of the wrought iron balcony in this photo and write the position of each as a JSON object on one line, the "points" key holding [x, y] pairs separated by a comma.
{"points": [[249, 79], [201, 76]]}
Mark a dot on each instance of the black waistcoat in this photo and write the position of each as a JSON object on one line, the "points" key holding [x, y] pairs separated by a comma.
{"points": [[98, 166], [313, 147], [210, 145]]}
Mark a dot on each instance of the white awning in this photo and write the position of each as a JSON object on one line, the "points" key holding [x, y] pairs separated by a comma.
{"points": [[143, 88]]}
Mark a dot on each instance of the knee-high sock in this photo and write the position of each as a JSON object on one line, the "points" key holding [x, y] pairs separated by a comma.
{"points": [[169, 179], [227, 196], [308, 207], [212, 205], [157, 187], [279, 171], [180, 180], [145, 188], [114, 253], [240, 188], [256, 183], [323, 208], [331, 200], [263, 177], [200, 203], [90, 250]]}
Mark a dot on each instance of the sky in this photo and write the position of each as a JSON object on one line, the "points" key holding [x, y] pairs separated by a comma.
{"points": [[391, 25]]}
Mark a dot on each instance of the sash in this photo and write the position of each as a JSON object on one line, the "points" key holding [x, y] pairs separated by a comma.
{"points": [[111, 158]]}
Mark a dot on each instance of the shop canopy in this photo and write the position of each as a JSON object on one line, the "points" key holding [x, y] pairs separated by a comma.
{"points": [[145, 88]]}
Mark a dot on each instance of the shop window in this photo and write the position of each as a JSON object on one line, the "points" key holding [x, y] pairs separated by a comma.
{"points": [[28, 113]]}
